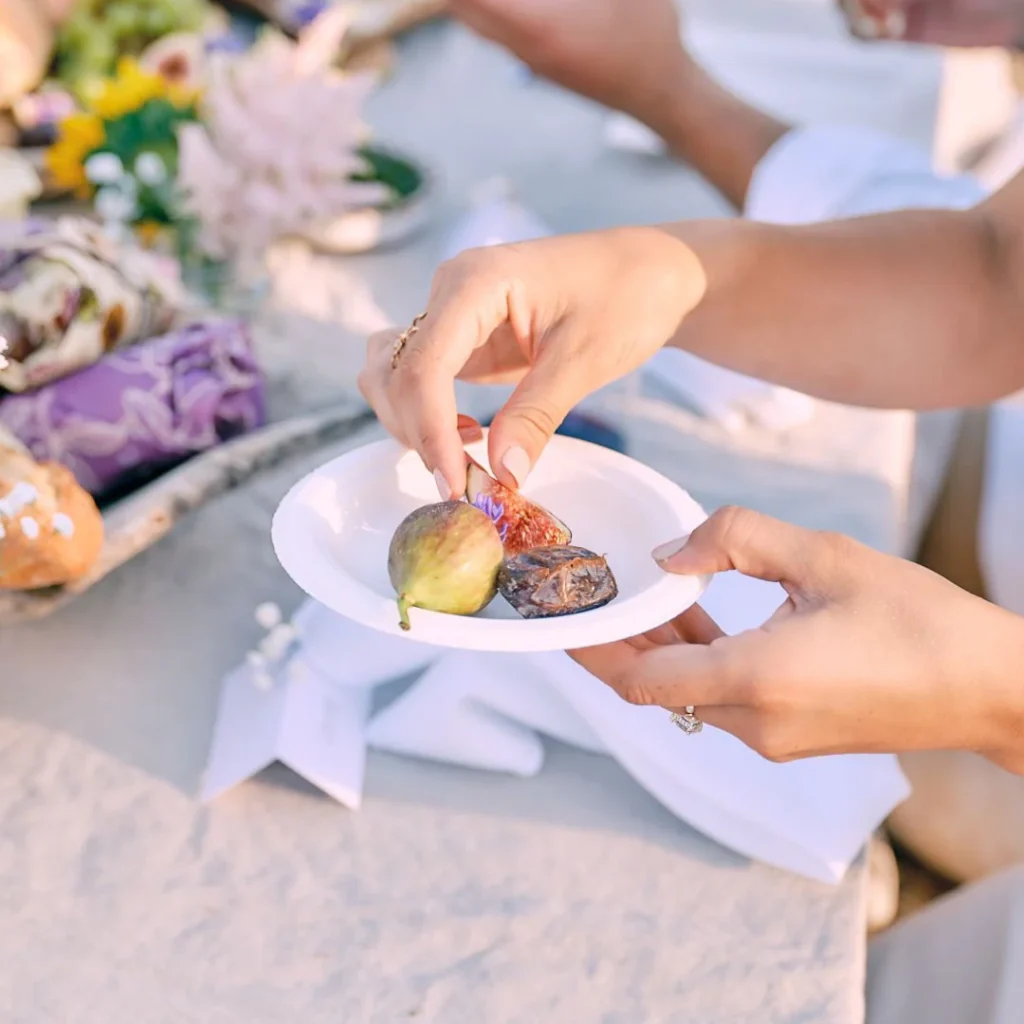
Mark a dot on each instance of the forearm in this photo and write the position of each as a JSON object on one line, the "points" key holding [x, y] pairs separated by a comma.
{"points": [[717, 134], [914, 309]]}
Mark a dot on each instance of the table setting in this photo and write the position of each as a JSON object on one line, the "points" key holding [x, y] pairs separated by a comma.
{"points": [[236, 788]]}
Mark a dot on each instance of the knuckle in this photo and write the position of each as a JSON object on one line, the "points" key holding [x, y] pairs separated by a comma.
{"points": [[543, 420], [469, 264], [834, 554], [832, 543], [633, 690], [425, 440], [415, 366], [732, 525]]}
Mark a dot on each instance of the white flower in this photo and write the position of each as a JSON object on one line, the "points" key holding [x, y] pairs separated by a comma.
{"points": [[19, 184], [150, 169], [104, 169], [113, 205], [3, 348]]}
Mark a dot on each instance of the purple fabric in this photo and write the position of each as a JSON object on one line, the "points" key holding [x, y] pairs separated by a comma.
{"points": [[142, 409]]}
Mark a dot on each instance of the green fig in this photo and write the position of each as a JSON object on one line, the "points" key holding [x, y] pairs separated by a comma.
{"points": [[445, 558]]}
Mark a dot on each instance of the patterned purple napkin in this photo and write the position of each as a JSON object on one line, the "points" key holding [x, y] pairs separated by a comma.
{"points": [[141, 410]]}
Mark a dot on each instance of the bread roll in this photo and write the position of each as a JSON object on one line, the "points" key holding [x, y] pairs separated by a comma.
{"points": [[51, 531], [26, 45]]}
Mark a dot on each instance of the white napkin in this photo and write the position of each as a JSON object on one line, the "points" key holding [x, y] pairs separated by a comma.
{"points": [[487, 711], [495, 217], [484, 711], [1000, 547], [736, 402]]}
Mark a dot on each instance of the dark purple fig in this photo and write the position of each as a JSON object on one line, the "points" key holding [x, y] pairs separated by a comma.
{"points": [[548, 581], [445, 557]]}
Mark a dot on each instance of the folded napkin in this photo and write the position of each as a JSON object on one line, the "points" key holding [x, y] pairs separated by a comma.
{"points": [[734, 401], [489, 711], [69, 294], [143, 409]]}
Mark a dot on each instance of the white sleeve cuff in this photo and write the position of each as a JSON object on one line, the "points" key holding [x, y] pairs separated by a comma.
{"points": [[829, 172]]}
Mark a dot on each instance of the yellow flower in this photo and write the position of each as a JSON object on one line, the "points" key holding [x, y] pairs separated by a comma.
{"points": [[83, 132], [182, 96], [79, 135], [64, 164], [132, 88], [149, 232]]}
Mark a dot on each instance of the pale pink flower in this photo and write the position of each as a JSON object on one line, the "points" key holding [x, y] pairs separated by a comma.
{"points": [[275, 150]]}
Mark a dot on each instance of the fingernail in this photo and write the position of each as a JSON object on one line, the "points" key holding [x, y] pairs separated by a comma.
{"points": [[664, 552], [443, 487], [469, 430], [896, 25], [517, 462]]}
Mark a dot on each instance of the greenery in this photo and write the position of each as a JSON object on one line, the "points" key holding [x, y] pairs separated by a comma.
{"points": [[100, 32], [402, 177]]}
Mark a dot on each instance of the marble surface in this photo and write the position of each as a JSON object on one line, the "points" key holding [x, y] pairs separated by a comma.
{"points": [[452, 896]]}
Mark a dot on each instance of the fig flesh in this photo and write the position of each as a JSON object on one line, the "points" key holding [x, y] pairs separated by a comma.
{"points": [[549, 581], [445, 558], [522, 524]]}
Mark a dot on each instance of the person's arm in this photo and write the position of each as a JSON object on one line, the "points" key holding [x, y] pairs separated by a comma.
{"points": [[939, 22], [867, 654], [629, 55], [919, 309], [716, 133], [922, 309]]}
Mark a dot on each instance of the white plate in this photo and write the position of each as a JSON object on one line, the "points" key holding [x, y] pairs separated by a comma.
{"points": [[333, 529]]}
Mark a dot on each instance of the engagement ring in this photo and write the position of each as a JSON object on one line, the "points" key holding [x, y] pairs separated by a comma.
{"points": [[687, 721]]}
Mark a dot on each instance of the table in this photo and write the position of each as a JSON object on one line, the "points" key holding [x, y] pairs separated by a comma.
{"points": [[452, 897]]}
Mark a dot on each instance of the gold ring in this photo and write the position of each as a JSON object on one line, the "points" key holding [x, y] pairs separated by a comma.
{"points": [[402, 340]]}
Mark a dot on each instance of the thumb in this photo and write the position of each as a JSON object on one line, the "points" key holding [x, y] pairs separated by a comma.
{"points": [[540, 403], [755, 545]]}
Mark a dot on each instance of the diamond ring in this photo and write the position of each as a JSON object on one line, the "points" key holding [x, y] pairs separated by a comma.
{"points": [[687, 721]]}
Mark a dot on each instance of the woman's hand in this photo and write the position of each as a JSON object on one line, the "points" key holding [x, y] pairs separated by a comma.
{"points": [[561, 316], [869, 653], [940, 22], [626, 54]]}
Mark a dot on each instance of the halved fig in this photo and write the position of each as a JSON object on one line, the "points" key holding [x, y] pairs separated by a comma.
{"points": [[522, 524], [553, 581]]}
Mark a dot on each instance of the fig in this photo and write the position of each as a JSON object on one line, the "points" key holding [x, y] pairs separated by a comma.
{"points": [[563, 580], [445, 558], [521, 524]]}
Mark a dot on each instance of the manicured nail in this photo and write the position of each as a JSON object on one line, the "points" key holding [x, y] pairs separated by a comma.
{"points": [[664, 552], [517, 462], [865, 26], [443, 487], [895, 24], [469, 430]]}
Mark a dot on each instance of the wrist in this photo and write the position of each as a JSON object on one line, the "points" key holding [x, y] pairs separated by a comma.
{"points": [[715, 132]]}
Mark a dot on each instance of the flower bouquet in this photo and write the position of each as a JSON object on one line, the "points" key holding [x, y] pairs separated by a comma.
{"points": [[265, 144]]}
